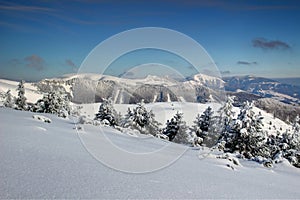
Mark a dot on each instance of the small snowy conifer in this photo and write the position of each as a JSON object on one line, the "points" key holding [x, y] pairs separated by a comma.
{"points": [[21, 99], [226, 115], [205, 127], [177, 130], [107, 112], [248, 137], [9, 100], [142, 120]]}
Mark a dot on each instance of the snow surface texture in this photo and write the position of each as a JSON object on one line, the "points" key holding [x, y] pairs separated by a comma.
{"points": [[48, 160]]}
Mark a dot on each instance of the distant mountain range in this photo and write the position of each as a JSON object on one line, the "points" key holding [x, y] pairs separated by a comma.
{"points": [[290, 81], [88, 88], [270, 95], [263, 88]]}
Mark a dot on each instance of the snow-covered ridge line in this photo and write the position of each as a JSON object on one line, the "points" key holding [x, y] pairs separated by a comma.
{"points": [[150, 79], [85, 87]]}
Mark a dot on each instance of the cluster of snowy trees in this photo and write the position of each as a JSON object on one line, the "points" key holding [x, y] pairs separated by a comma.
{"points": [[54, 102], [245, 135], [138, 118], [242, 134], [141, 119], [18, 102], [286, 145]]}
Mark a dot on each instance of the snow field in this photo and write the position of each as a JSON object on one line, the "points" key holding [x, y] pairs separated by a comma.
{"points": [[57, 165]]}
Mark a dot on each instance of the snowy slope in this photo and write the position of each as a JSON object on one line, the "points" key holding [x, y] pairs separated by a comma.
{"points": [[89, 76], [48, 160], [31, 92], [210, 81]]}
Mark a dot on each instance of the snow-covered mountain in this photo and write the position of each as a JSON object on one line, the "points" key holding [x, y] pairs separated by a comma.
{"points": [[208, 81], [265, 88], [88, 88]]}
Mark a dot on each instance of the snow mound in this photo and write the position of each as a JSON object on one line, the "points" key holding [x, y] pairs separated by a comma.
{"points": [[41, 118]]}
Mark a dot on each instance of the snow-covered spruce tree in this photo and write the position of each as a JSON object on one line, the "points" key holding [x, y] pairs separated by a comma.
{"points": [[226, 114], [107, 113], [9, 101], [177, 130], [142, 120], [202, 122], [196, 132], [21, 99], [205, 128], [2, 97], [285, 145], [295, 140], [296, 124], [273, 144], [225, 120], [289, 144], [54, 102], [248, 138]]}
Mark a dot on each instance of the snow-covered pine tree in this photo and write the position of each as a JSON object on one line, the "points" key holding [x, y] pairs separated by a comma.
{"points": [[54, 102], [196, 132], [182, 136], [152, 126], [107, 113], [292, 152], [21, 99], [9, 100], [142, 120], [226, 114], [248, 137], [296, 124], [295, 141], [202, 122], [171, 129], [287, 145], [205, 127], [225, 120], [177, 130], [273, 144]]}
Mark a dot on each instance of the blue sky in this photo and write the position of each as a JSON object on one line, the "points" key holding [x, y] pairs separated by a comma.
{"points": [[49, 38]]}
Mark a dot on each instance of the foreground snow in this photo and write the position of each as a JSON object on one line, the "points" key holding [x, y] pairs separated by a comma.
{"points": [[48, 160]]}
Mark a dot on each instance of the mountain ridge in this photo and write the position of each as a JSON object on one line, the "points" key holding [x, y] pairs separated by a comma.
{"points": [[264, 87]]}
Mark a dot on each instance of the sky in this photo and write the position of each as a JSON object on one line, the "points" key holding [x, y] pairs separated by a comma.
{"points": [[49, 38]]}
